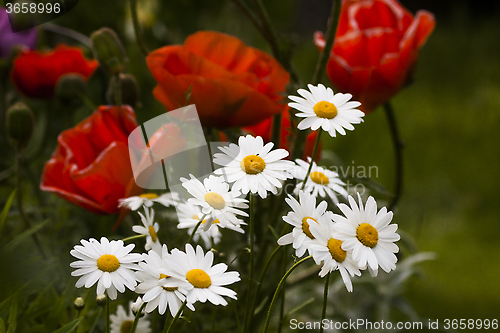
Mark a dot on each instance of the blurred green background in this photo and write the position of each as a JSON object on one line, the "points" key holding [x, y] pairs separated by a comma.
{"points": [[449, 120]]}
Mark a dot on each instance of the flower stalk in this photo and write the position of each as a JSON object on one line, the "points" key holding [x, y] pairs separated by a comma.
{"points": [[136, 319], [137, 28], [325, 300], [278, 289], [177, 315], [315, 149], [398, 152]]}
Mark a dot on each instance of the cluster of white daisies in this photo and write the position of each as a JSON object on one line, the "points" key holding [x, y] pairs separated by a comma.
{"points": [[363, 238]]}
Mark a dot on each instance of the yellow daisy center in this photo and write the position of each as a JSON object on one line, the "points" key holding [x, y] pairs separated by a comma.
{"points": [[215, 200], [199, 278], [305, 226], [152, 233], [253, 164], [319, 178], [196, 217], [325, 110], [108, 263], [164, 276], [367, 235], [126, 326], [149, 196], [334, 246]]}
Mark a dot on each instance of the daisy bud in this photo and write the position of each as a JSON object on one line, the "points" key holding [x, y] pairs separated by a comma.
{"points": [[69, 88], [101, 299], [136, 306], [129, 89], [20, 123], [79, 303], [108, 50]]}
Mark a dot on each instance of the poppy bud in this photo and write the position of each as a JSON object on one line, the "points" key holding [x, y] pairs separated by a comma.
{"points": [[69, 88], [129, 90], [108, 50], [20, 123], [79, 303]]}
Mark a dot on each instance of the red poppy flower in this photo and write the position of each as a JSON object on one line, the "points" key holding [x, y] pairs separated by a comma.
{"points": [[264, 129], [376, 48], [91, 166], [231, 84], [35, 73]]}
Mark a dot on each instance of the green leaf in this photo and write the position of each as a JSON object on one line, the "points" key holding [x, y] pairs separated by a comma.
{"points": [[18, 240], [12, 320], [6, 208], [69, 327], [2, 326]]}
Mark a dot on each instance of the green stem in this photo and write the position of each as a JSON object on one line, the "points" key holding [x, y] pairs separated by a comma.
{"points": [[251, 15], [137, 28], [177, 315], [398, 151], [315, 149], [276, 131], [283, 291], [280, 285], [270, 32], [136, 319], [330, 38], [108, 322], [86, 101], [251, 227], [131, 238], [67, 32], [325, 301], [196, 228], [20, 207], [259, 286]]}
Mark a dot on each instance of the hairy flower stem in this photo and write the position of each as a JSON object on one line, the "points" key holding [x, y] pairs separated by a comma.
{"points": [[177, 315], [251, 227], [108, 321], [298, 147], [398, 151], [137, 28], [325, 301], [196, 228], [248, 323], [330, 39], [136, 319], [278, 289], [315, 149], [20, 206]]}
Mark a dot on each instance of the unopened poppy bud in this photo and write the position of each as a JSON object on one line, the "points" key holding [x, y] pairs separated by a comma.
{"points": [[79, 303], [101, 300], [69, 89], [108, 50], [20, 124], [129, 90]]}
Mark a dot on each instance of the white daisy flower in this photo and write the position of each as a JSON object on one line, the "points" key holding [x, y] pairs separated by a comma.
{"points": [[322, 108], [252, 166], [150, 229], [206, 281], [320, 182], [189, 216], [327, 250], [151, 284], [148, 199], [110, 264], [367, 234], [217, 202], [122, 322], [304, 213]]}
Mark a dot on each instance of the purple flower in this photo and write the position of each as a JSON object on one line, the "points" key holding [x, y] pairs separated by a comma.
{"points": [[9, 39]]}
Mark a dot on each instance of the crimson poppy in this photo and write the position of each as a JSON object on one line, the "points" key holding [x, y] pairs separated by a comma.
{"points": [[35, 73], [230, 83], [376, 48]]}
